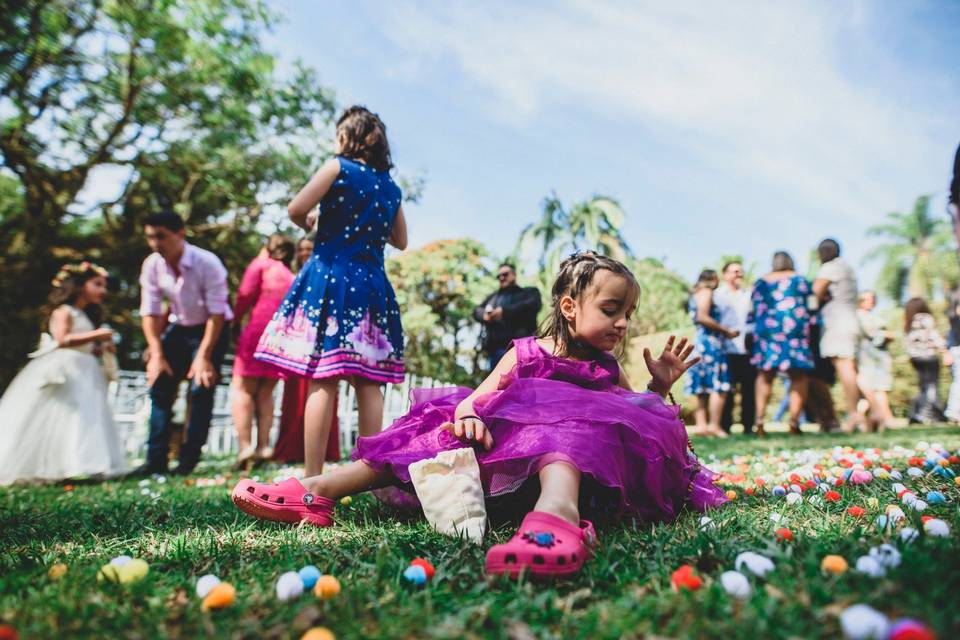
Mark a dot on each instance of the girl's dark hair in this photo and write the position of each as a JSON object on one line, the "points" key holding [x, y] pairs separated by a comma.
{"points": [[280, 247], [707, 279], [66, 289], [575, 277], [911, 309], [363, 136], [782, 262]]}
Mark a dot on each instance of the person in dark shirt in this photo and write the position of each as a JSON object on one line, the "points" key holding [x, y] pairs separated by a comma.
{"points": [[507, 314]]}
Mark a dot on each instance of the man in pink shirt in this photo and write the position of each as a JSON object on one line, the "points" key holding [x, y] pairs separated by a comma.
{"points": [[188, 338]]}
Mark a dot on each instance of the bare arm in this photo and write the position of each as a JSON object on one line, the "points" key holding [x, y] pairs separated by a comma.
{"points": [[821, 289], [202, 368], [398, 235], [311, 194], [156, 363], [704, 298], [60, 325]]}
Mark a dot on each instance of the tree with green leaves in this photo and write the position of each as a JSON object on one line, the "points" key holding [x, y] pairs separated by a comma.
{"points": [[437, 287], [918, 255], [175, 97]]}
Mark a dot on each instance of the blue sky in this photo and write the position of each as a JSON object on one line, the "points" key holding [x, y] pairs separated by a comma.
{"points": [[743, 127]]}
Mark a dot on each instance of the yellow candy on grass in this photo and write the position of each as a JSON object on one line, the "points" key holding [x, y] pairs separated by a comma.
{"points": [[833, 564], [731, 495], [127, 573], [327, 587], [222, 595], [57, 571], [345, 501], [318, 633]]}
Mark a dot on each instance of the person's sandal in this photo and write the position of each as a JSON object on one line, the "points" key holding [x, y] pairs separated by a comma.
{"points": [[287, 501], [545, 545]]}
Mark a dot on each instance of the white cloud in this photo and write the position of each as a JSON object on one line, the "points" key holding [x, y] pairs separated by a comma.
{"points": [[755, 88]]}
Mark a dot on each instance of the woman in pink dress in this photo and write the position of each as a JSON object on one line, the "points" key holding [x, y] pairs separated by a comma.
{"points": [[264, 284], [289, 447]]}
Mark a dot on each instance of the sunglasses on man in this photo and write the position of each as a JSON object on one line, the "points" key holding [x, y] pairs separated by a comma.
{"points": [[503, 275]]}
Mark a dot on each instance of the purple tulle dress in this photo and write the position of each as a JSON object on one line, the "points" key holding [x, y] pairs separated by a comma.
{"points": [[630, 447]]}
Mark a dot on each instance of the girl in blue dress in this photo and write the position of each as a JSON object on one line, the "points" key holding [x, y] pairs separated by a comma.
{"points": [[781, 336], [709, 379], [340, 318]]}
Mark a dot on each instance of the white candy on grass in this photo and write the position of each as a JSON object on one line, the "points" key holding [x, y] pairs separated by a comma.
{"points": [[909, 534], [757, 564], [289, 586], [119, 561], [735, 584], [887, 555], [205, 584], [861, 622], [793, 498], [870, 566], [937, 527], [707, 523]]}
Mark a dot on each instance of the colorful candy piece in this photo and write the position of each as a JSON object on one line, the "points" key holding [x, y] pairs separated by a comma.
{"points": [[309, 575], [205, 585], [427, 567], [861, 622], [345, 501], [907, 629], [57, 571], [834, 564], [318, 633], [870, 566], [755, 563], [887, 555], [937, 528], [735, 584], [783, 535], [856, 512], [221, 596], [831, 496], [731, 494], [935, 497], [415, 574], [289, 586], [685, 578], [327, 587]]}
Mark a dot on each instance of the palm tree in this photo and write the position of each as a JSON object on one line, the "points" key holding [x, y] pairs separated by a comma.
{"points": [[917, 255], [593, 224]]}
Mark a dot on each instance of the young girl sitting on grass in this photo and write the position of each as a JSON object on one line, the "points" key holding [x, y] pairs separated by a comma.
{"points": [[556, 408]]}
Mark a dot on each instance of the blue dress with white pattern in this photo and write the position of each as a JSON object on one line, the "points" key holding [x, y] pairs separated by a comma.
{"points": [[710, 375], [340, 317]]}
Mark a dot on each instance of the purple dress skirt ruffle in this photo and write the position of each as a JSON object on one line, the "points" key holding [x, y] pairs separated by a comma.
{"points": [[630, 447]]}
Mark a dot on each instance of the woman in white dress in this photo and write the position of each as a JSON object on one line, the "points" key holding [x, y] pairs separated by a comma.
{"points": [[55, 421]]}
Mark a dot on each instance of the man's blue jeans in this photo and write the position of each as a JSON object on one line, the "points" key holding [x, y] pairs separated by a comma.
{"points": [[180, 345]]}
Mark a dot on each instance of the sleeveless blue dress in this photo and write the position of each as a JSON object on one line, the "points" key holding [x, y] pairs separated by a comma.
{"points": [[711, 374], [340, 317]]}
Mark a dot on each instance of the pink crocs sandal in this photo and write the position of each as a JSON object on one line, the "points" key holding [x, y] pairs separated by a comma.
{"points": [[546, 545], [287, 501]]}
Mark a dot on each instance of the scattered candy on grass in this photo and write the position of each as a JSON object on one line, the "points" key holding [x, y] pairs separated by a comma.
{"points": [[415, 574], [735, 584], [935, 497], [707, 523], [346, 500], [289, 586], [755, 563], [126, 571], [685, 578], [783, 535], [831, 496], [937, 528], [909, 534], [862, 622], [57, 571], [327, 587], [318, 633], [870, 566], [221, 596], [833, 564], [907, 629], [856, 512], [887, 555], [427, 567], [793, 498], [731, 494], [205, 584], [309, 574]]}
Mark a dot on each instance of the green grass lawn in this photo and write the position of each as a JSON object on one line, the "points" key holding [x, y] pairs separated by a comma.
{"points": [[624, 592]]}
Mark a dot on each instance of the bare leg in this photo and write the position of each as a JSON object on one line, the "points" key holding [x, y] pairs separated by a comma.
{"points": [[242, 408], [798, 397], [347, 480], [316, 424], [716, 410], [369, 405], [883, 408], [560, 491], [847, 372], [700, 414], [764, 386], [264, 412]]}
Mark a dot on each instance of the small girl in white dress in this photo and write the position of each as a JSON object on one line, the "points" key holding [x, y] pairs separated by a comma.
{"points": [[55, 421]]}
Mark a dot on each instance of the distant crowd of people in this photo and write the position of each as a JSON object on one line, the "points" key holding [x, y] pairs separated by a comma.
{"points": [[811, 335]]}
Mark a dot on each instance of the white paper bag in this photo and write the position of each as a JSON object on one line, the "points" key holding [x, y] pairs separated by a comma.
{"points": [[449, 489]]}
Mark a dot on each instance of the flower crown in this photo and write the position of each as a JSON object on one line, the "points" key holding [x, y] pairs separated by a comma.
{"points": [[79, 268]]}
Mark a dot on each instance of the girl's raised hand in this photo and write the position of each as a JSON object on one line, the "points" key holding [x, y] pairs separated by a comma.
{"points": [[470, 428], [671, 364]]}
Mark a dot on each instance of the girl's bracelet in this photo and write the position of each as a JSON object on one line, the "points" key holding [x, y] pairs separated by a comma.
{"points": [[469, 415]]}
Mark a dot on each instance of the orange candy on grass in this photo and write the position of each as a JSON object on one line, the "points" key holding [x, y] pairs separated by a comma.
{"points": [[221, 596], [685, 578], [327, 587]]}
